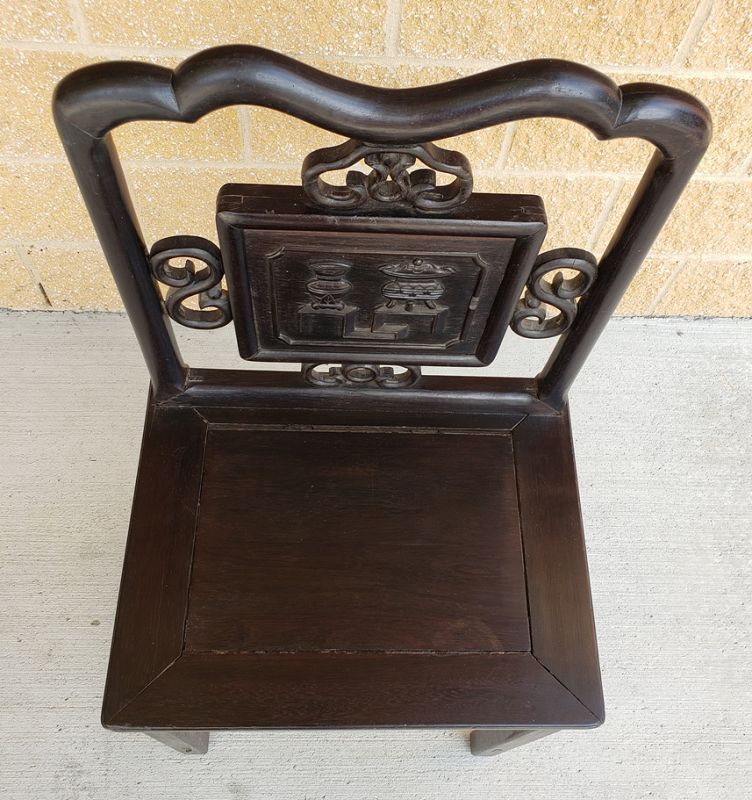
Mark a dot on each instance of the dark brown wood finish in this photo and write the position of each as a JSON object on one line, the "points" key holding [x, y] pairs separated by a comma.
{"points": [[153, 601], [558, 585], [310, 541], [372, 570], [92, 101], [360, 690], [472, 269], [358, 544]]}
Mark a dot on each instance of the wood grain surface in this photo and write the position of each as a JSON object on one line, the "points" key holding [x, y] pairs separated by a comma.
{"points": [[366, 553]]}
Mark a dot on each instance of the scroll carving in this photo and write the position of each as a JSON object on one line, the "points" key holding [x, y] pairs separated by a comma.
{"points": [[390, 185], [530, 317], [184, 282], [373, 376]]}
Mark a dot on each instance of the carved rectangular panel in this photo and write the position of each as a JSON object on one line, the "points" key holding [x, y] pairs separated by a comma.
{"points": [[309, 286]]}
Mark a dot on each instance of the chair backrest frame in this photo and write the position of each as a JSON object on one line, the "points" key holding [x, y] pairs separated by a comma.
{"points": [[92, 101]]}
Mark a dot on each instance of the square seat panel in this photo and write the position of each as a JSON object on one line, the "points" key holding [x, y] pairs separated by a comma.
{"points": [[299, 568]]}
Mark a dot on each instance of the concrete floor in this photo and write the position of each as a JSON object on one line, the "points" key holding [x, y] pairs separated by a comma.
{"points": [[662, 422]]}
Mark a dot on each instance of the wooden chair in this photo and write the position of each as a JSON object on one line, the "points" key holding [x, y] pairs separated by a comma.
{"points": [[357, 545]]}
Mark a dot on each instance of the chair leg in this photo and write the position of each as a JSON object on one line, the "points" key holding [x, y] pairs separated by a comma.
{"points": [[190, 742], [491, 742]]}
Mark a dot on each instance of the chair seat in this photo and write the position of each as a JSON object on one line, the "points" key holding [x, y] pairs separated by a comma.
{"points": [[299, 567]]}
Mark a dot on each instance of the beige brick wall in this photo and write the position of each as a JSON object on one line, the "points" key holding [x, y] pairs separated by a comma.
{"points": [[701, 264]]}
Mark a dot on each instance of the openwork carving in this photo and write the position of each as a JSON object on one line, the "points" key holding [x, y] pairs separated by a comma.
{"points": [[361, 375], [184, 282], [530, 318], [390, 185]]}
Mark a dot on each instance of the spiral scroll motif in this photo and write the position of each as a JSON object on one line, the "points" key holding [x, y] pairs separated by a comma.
{"points": [[530, 318], [390, 185], [184, 282], [373, 376]]}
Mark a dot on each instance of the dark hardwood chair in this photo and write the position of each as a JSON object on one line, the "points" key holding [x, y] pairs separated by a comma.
{"points": [[358, 545]]}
